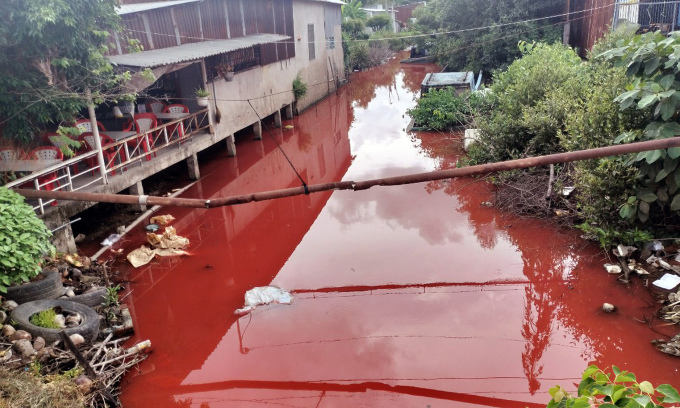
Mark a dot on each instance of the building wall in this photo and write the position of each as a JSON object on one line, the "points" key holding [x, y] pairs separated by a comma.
{"points": [[269, 87]]}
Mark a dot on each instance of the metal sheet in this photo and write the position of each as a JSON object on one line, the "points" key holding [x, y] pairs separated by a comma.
{"points": [[448, 79], [136, 8], [190, 52]]}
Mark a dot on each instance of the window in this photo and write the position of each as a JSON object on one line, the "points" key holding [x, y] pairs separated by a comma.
{"points": [[330, 43], [310, 36]]}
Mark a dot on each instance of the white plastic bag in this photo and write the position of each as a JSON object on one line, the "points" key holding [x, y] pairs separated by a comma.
{"points": [[264, 295]]}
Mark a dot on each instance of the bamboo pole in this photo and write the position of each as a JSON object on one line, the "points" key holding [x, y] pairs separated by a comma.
{"points": [[360, 185]]}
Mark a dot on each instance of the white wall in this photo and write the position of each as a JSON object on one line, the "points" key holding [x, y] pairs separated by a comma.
{"points": [[270, 87]]}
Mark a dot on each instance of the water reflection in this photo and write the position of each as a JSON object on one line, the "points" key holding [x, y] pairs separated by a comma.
{"points": [[405, 296]]}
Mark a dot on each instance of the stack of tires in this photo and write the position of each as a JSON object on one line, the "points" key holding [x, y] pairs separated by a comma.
{"points": [[41, 295]]}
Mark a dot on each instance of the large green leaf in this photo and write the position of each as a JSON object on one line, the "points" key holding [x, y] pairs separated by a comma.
{"points": [[669, 129], [670, 394], [627, 211], [647, 100], [675, 204], [673, 152], [647, 196], [653, 156]]}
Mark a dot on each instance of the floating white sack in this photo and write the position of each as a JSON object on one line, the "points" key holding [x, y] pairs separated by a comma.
{"points": [[264, 295], [667, 281]]}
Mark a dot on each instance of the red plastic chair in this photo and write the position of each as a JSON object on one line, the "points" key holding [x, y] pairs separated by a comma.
{"points": [[155, 107], [109, 153], [11, 153], [143, 123], [47, 153], [177, 108], [86, 126]]}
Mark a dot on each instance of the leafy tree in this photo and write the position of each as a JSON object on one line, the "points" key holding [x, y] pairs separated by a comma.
{"points": [[51, 51], [352, 10], [490, 48], [355, 29], [652, 61], [379, 22]]}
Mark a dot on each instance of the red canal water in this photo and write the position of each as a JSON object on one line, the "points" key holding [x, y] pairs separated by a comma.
{"points": [[410, 296]]}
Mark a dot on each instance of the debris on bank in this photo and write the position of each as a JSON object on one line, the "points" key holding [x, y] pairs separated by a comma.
{"points": [[78, 361], [167, 244], [659, 267]]}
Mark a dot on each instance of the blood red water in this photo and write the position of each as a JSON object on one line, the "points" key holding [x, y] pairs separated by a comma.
{"points": [[404, 296]]}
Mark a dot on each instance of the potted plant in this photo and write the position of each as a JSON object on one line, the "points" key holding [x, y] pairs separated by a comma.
{"points": [[28, 241], [202, 97], [126, 103], [227, 71]]}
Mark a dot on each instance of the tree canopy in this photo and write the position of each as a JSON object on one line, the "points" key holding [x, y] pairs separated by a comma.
{"points": [[50, 52], [489, 48]]}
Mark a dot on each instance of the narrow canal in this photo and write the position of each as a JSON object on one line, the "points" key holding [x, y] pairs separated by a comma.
{"points": [[410, 296]]}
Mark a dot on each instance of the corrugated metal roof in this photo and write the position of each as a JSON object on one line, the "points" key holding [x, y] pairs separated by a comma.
{"points": [[139, 7], [192, 51]]}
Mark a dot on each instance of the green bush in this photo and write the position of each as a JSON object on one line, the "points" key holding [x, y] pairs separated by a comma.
{"points": [[358, 56], [618, 388], [442, 109], [379, 22], [299, 87], [24, 240], [355, 29], [395, 41], [529, 105], [653, 65]]}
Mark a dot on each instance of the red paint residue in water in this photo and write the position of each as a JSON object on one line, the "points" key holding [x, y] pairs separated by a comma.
{"points": [[404, 296]]}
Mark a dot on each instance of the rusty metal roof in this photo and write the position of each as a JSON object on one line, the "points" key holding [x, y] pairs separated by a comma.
{"points": [[139, 7], [192, 51]]}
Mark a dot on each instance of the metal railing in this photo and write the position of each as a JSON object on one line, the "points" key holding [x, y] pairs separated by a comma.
{"points": [[83, 171], [650, 15]]}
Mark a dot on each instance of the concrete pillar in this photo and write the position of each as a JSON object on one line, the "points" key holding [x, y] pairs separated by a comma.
{"points": [[192, 164], [277, 118], [288, 111], [257, 129], [231, 145], [62, 237], [137, 189], [260, 149]]}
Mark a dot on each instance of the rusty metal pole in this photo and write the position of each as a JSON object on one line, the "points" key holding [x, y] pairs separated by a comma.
{"points": [[362, 185]]}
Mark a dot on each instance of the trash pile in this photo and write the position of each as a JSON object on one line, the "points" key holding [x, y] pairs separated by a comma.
{"points": [[659, 265], [166, 244], [653, 260]]}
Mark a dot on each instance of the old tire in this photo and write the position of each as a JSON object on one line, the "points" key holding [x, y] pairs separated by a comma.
{"points": [[89, 328], [50, 287], [92, 299]]}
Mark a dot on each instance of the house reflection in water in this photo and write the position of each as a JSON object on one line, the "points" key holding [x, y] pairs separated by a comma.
{"points": [[233, 248]]}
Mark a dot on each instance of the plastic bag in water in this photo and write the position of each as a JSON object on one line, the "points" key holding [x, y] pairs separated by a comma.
{"points": [[264, 295]]}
